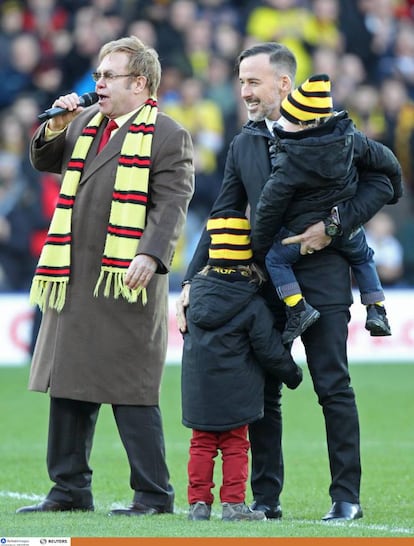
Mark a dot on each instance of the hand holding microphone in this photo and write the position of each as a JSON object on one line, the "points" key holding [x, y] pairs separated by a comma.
{"points": [[64, 108]]}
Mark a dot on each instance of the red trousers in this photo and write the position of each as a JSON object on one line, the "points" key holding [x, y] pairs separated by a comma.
{"points": [[204, 447]]}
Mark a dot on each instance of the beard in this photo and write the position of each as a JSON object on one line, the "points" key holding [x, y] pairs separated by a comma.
{"points": [[256, 116], [263, 111]]}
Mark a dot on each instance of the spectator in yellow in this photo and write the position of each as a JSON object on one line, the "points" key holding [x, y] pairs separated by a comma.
{"points": [[282, 21], [321, 29], [203, 119]]}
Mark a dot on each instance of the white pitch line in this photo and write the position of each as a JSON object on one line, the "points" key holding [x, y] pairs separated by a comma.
{"points": [[217, 515], [360, 525], [22, 496], [354, 524]]}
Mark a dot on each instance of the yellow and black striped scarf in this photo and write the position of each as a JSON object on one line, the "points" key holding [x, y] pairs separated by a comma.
{"points": [[126, 220]]}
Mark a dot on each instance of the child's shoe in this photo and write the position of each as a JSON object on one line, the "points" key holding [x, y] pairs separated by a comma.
{"points": [[199, 511], [377, 322], [299, 318], [240, 511]]}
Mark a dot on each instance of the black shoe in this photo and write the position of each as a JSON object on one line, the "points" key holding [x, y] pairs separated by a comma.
{"points": [[377, 322], [52, 506], [138, 509], [342, 510], [299, 318], [271, 512]]}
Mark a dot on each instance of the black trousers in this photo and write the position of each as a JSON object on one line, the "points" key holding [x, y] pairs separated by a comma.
{"points": [[71, 431], [325, 346]]}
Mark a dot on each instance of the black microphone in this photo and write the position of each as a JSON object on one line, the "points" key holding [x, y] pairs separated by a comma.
{"points": [[85, 100]]}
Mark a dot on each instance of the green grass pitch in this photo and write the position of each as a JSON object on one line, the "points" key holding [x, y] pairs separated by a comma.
{"points": [[386, 406]]}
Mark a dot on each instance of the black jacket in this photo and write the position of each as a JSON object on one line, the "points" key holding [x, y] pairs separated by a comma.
{"points": [[229, 345], [314, 170], [324, 275]]}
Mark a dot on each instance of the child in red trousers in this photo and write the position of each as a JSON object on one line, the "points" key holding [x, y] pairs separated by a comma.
{"points": [[229, 345]]}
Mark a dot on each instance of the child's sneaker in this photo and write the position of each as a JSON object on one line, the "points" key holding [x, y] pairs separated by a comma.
{"points": [[377, 322], [240, 511], [299, 318], [199, 511]]}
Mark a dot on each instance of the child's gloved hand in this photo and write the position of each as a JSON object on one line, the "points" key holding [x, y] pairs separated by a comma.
{"points": [[295, 379]]}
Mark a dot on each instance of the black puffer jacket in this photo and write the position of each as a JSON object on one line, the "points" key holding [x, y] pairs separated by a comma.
{"points": [[229, 345], [314, 170]]}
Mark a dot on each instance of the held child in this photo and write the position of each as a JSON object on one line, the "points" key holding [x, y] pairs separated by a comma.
{"points": [[315, 169], [229, 345]]}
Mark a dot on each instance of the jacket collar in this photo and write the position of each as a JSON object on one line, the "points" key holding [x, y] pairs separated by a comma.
{"points": [[257, 128]]}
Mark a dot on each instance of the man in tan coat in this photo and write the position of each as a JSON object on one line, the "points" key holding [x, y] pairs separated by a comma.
{"points": [[102, 278]]}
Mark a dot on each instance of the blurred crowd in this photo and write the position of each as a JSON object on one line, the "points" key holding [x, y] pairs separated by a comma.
{"points": [[50, 47]]}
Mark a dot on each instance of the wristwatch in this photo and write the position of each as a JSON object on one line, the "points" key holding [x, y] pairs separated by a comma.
{"points": [[332, 227]]}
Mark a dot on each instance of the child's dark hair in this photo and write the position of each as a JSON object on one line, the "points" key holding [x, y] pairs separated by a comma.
{"points": [[253, 271]]}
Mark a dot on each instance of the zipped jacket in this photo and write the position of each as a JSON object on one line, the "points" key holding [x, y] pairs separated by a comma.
{"points": [[315, 170]]}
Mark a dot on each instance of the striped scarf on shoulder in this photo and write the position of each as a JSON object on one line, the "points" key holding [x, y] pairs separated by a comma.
{"points": [[126, 220]]}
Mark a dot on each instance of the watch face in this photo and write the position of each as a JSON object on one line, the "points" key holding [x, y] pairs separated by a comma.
{"points": [[331, 230]]}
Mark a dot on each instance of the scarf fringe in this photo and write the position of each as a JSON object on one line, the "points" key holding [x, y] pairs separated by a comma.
{"points": [[50, 290], [114, 281], [47, 293]]}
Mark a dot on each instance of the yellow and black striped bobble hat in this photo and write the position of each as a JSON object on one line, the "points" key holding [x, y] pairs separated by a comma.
{"points": [[310, 101], [230, 239]]}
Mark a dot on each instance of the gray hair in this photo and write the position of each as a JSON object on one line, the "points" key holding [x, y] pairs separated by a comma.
{"points": [[143, 60]]}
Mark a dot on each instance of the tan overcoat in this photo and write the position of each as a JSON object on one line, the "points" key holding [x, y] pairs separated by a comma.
{"points": [[100, 349]]}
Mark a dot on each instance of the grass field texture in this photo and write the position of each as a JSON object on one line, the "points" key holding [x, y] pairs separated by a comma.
{"points": [[386, 406]]}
